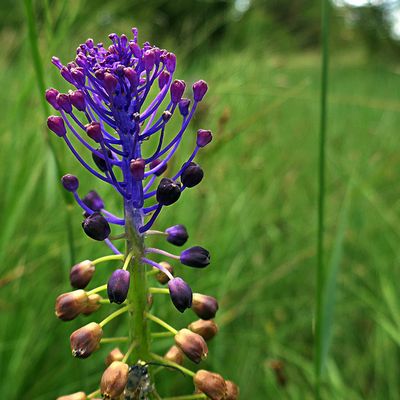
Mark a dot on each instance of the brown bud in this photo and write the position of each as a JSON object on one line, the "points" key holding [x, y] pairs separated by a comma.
{"points": [[192, 344], [232, 391], [81, 274], [204, 306], [70, 305], [114, 380], [206, 329], [92, 305], [160, 276], [73, 396], [175, 355], [114, 355], [86, 340], [211, 384]]}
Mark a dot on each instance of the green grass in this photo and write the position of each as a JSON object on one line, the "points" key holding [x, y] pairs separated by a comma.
{"points": [[255, 211]]}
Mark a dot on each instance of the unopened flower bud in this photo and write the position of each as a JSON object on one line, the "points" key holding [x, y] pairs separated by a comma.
{"points": [[170, 62], [66, 74], [204, 306], [166, 116], [84, 341], [196, 257], [149, 58], [175, 355], [168, 191], [177, 235], [160, 276], [118, 286], [96, 227], [110, 83], [192, 344], [64, 102], [81, 274], [206, 329], [56, 124], [163, 79], [184, 107], [211, 384], [192, 175], [180, 293], [100, 161], [70, 305], [177, 89], [132, 76], [135, 48], [93, 201], [77, 99], [199, 90], [136, 167], [204, 137], [114, 380], [51, 97], [114, 355], [232, 391], [93, 304], [161, 170], [73, 396], [70, 182], [93, 130]]}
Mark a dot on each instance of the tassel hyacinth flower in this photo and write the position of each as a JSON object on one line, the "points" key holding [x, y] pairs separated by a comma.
{"points": [[123, 98]]}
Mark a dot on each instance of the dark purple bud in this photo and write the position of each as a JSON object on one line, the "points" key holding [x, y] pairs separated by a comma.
{"points": [[204, 306], [93, 201], [96, 227], [78, 75], [70, 182], [196, 257], [132, 77], [137, 168], [203, 137], [89, 43], [100, 161], [163, 79], [56, 124], [149, 58], [99, 74], [184, 107], [199, 90], [192, 175], [51, 97], [93, 130], [77, 99], [177, 235], [166, 116], [181, 294], [135, 49], [168, 191], [64, 102], [81, 274], [118, 286], [177, 89], [66, 74], [170, 62], [162, 169], [110, 83]]}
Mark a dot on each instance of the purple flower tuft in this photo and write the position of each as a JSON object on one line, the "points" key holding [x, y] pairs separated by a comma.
{"points": [[118, 286], [181, 294]]}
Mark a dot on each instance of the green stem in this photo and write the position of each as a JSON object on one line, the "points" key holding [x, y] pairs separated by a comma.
{"points": [[114, 339], [162, 323], [97, 290], [157, 335], [320, 272], [156, 290], [108, 258], [163, 360], [129, 352], [93, 394], [115, 314]]}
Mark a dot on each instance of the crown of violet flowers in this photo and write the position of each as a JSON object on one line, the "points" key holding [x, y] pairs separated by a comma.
{"points": [[113, 113]]}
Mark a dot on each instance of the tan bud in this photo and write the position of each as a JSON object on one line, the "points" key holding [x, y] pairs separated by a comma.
{"points": [[86, 340], [192, 344], [70, 305], [93, 304], [206, 329], [81, 274], [114, 355], [232, 391], [211, 384], [204, 306], [160, 276], [175, 355], [114, 380], [73, 396]]}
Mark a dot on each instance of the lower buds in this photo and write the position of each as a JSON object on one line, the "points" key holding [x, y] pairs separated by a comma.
{"points": [[93, 304], [81, 274], [114, 355], [175, 355], [114, 380], [161, 277], [118, 286], [73, 396], [192, 344], [205, 307], [70, 305], [206, 329], [211, 384], [232, 391], [86, 340]]}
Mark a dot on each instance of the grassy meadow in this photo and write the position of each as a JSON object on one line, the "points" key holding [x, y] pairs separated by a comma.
{"points": [[255, 211]]}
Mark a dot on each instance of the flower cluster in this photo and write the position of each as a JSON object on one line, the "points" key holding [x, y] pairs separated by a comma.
{"points": [[124, 95]]}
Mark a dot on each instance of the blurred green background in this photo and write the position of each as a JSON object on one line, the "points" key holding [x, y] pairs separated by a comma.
{"points": [[255, 210]]}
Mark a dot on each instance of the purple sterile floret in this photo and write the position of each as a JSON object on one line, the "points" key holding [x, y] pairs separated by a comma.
{"points": [[96, 226], [118, 286], [180, 293], [196, 257], [70, 182], [177, 235]]}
